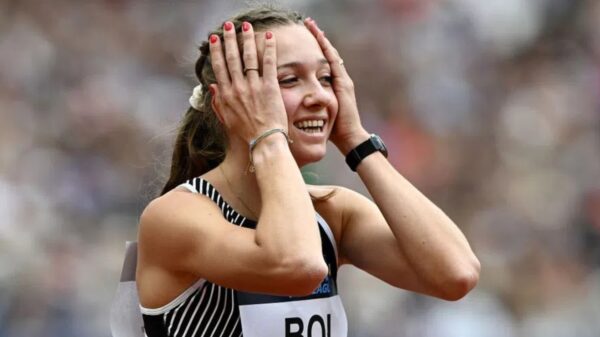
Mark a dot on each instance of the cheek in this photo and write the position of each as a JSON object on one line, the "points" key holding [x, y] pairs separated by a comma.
{"points": [[333, 106], [291, 101]]}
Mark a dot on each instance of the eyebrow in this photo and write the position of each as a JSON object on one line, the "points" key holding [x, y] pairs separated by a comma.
{"points": [[296, 64]]}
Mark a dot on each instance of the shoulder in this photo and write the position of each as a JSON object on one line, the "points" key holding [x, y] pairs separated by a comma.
{"points": [[176, 205], [336, 198], [169, 222], [342, 205], [337, 205]]}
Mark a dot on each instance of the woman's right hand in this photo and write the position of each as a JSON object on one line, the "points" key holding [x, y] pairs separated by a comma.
{"points": [[247, 104]]}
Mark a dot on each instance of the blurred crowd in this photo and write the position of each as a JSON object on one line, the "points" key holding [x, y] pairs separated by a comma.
{"points": [[491, 108]]}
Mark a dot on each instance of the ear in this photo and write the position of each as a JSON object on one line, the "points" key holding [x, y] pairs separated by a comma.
{"points": [[215, 100]]}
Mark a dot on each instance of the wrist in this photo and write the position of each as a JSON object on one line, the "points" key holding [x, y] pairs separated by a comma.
{"points": [[269, 147], [373, 144], [351, 141]]}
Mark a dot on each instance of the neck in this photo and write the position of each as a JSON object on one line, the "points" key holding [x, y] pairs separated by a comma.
{"points": [[241, 186]]}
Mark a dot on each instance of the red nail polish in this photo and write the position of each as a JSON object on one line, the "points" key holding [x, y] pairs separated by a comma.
{"points": [[228, 25], [245, 26], [268, 35], [213, 38]]}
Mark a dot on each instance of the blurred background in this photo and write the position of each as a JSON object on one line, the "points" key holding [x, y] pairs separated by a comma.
{"points": [[491, 108]]}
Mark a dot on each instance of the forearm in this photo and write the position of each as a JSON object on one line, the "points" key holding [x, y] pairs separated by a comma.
{"points": [[287, 226], [432, 244]]}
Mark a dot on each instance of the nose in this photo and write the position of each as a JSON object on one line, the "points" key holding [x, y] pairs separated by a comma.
{"points": [[317, 96]]}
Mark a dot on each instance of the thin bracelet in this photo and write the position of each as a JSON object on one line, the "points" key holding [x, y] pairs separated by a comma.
{"points": [[255, 142]]}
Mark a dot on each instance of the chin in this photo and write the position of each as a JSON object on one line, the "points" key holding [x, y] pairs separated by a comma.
{"points": [[309, 157]]}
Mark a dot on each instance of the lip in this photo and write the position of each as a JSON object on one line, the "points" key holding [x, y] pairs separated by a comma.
{"points": [[311, 118]]}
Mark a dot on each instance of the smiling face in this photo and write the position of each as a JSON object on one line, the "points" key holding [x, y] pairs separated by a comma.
{"points": [[304, 78]]}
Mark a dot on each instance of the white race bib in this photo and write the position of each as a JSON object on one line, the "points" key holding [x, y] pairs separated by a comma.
{"points": [[320, 317]]}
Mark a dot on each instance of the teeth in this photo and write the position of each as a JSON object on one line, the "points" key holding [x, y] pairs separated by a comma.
{"points": [[310, 124]]}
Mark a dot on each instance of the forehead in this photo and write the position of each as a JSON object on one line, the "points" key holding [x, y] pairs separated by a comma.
{"points": [[294, 44]]}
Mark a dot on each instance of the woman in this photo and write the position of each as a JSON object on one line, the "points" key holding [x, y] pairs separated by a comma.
{"points": [[238, 244]]}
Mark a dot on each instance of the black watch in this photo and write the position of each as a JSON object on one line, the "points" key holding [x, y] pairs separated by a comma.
{"points": [[364, 149]]}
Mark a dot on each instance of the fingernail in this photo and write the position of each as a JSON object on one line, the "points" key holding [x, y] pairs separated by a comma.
{"points": [[268, 35], [228, 25], [213, 38], [245, 26]]}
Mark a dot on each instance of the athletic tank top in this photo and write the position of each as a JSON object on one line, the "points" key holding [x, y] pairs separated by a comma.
{"points": [[208, 309]]}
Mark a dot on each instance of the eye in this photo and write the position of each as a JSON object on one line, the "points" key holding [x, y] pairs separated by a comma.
{"points": [[288, 80], [327, 79]]}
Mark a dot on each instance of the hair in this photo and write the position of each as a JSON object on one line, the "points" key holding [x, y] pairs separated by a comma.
{"points": [[201, 141]]}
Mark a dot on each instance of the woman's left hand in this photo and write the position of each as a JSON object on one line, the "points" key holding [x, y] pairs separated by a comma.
{"points": [[348, 131]]}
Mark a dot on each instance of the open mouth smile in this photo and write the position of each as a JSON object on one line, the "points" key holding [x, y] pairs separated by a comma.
{"points": [[310, 126]]}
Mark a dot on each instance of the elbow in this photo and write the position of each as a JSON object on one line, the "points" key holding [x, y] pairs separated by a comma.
{"points": [[460, 284], [301, 276]]}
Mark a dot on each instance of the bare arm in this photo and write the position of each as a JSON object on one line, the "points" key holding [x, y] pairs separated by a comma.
{"points": [[403, 238], [185, 234]]}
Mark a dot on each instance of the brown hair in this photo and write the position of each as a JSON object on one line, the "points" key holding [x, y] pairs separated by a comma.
{"points": [[201, 142]]}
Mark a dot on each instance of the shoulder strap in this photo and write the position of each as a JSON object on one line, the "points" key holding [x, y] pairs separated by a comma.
{"points": [[200, 186], [321, 221]]}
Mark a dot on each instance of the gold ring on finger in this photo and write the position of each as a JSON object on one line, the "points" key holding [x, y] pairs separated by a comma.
{"points": [[248, 69]]}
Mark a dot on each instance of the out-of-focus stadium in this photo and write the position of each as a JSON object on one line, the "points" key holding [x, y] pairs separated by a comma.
{"points": [[491, 108]]}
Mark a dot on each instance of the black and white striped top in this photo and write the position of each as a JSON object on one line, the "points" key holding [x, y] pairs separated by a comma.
{"points": [[208, 309]]}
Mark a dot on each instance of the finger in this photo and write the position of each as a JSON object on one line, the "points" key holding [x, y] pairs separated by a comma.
{"points": [[249, 53], [232, 53], [217, 60], [270, 58], [216, 103], [311, 24], [331, 54]]}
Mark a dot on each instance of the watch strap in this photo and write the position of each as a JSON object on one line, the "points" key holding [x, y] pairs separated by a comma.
{"points": [[360, 152]]}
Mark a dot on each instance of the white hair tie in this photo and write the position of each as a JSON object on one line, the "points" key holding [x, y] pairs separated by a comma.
{"points": [[196, 98]]}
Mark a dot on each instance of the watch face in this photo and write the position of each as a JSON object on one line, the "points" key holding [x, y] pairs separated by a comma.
{"points": [[379, 145]]}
